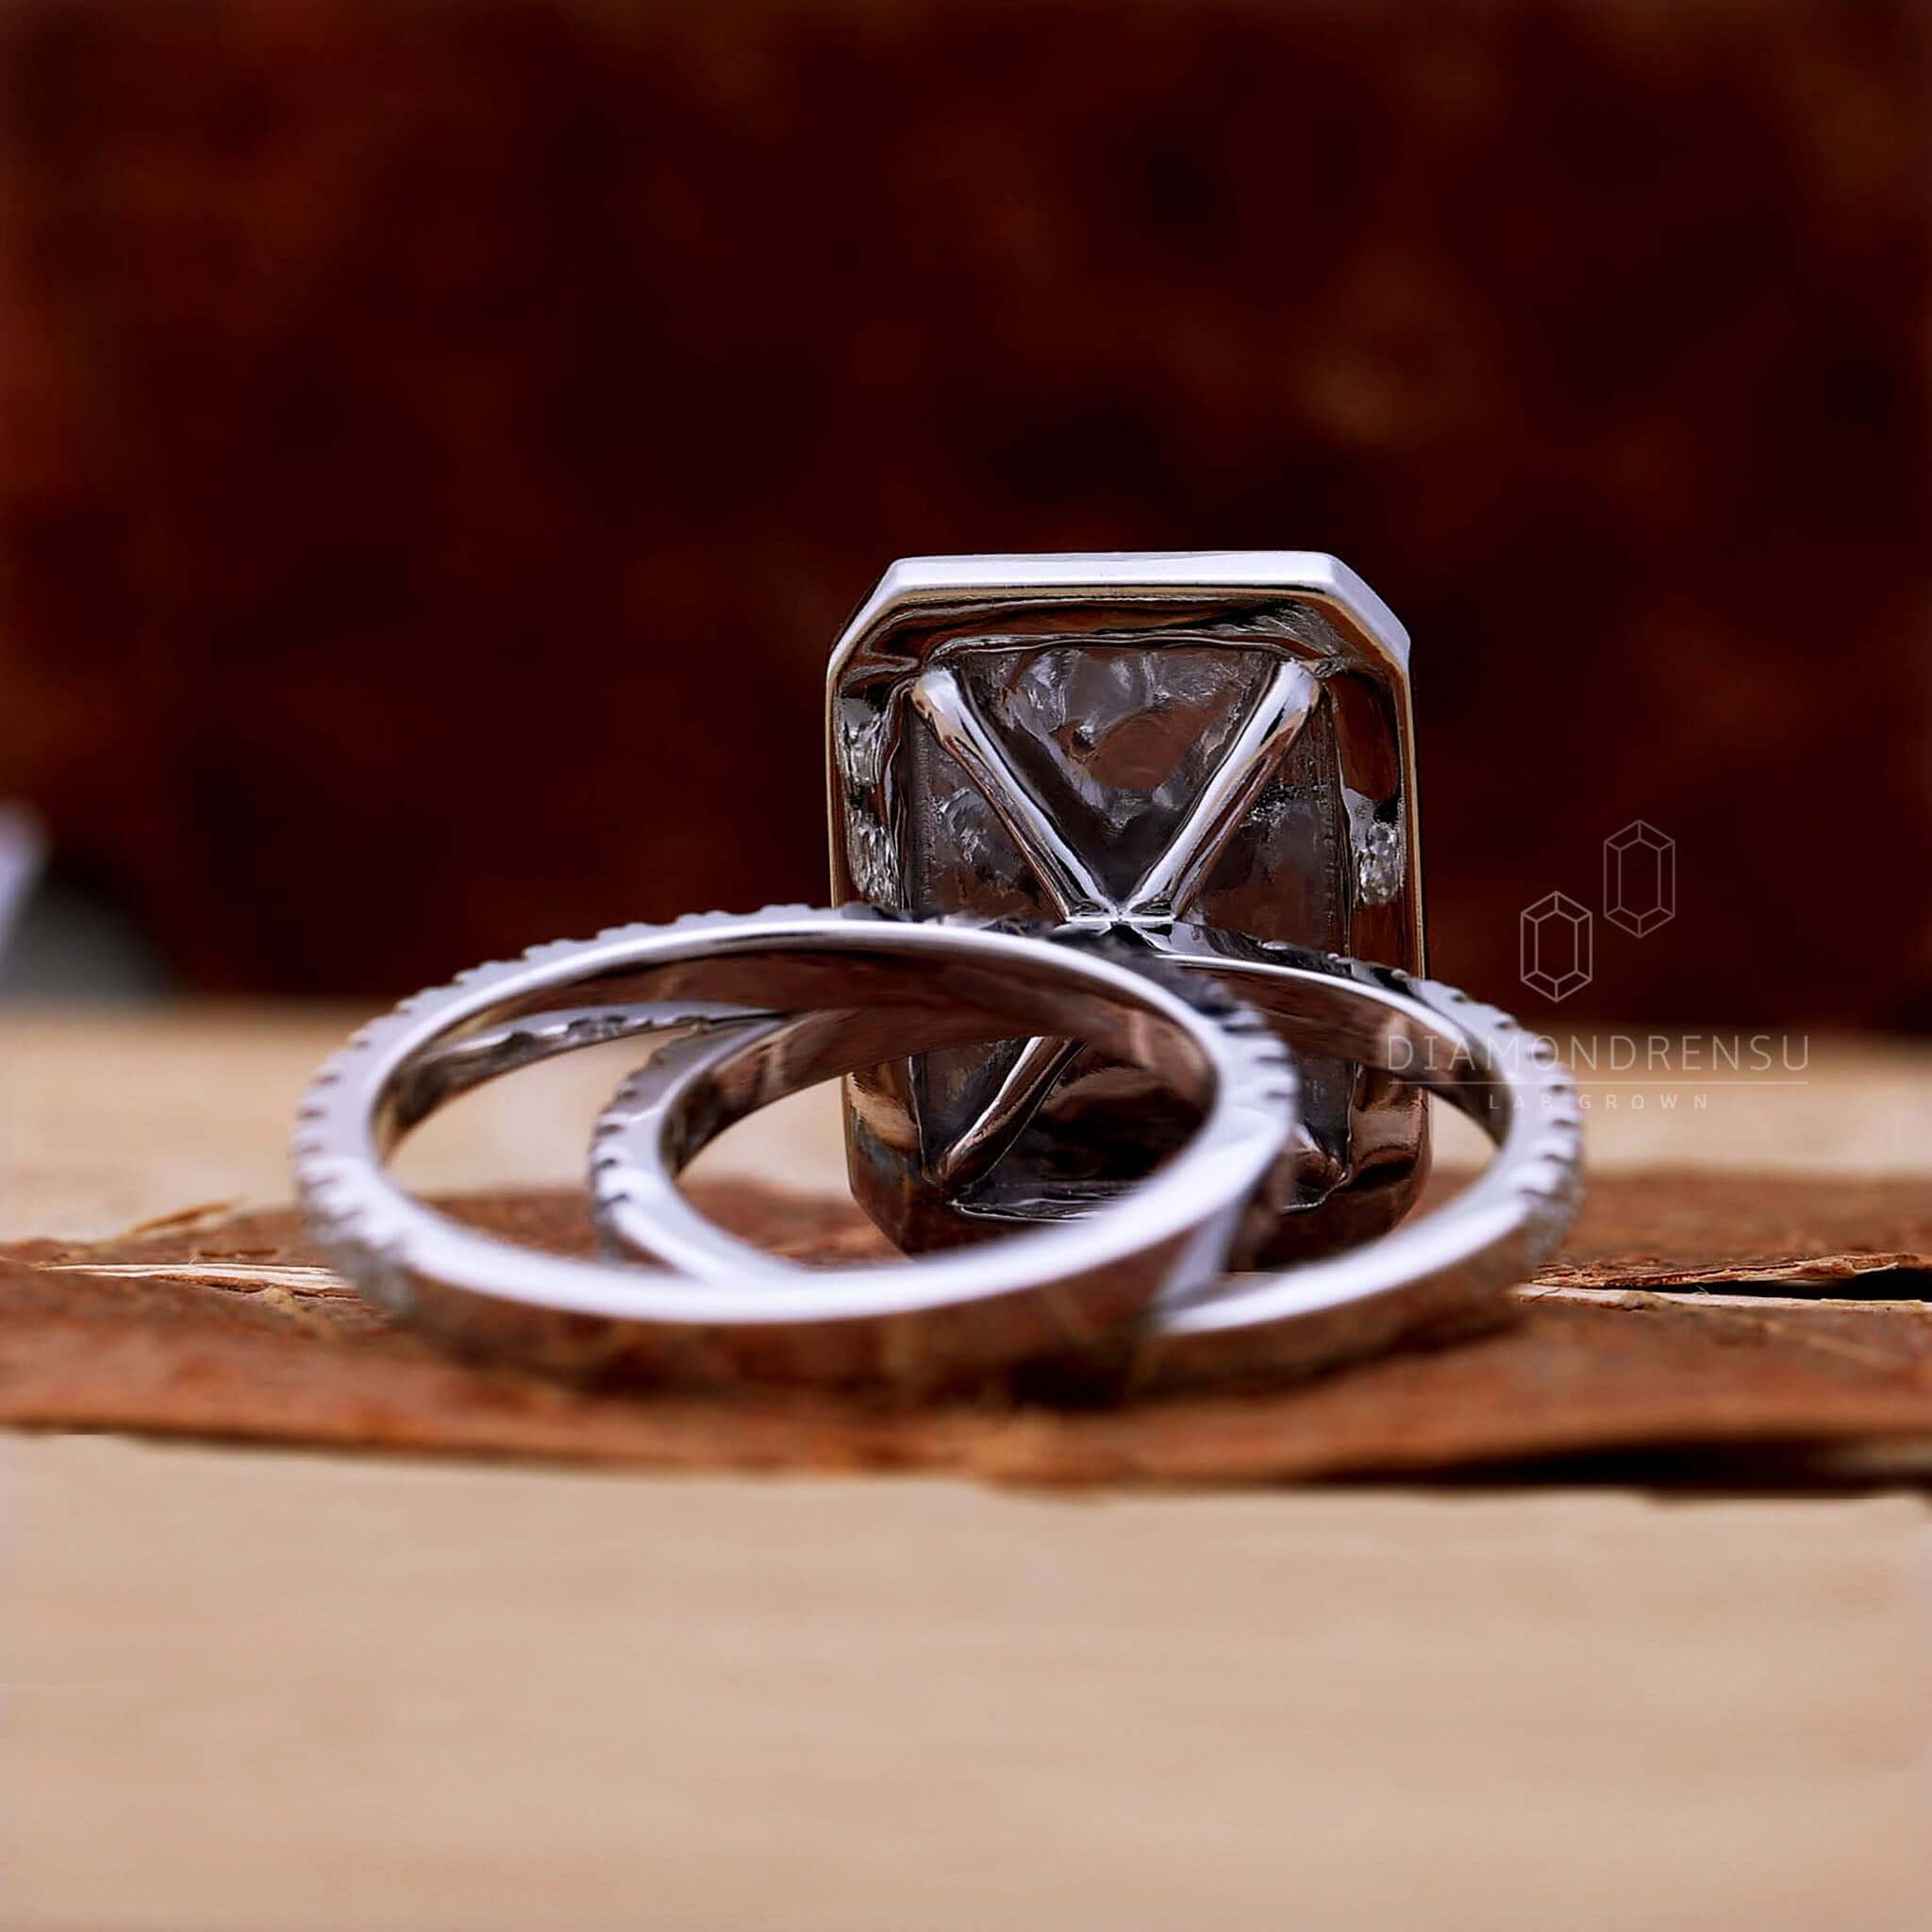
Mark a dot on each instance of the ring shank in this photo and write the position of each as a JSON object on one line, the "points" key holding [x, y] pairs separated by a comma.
{"points": [[905, 1323], [887, 993], [1441, 1270]]}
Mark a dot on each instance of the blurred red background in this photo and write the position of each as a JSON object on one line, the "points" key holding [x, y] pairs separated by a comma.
{"points": [[442, 442]]}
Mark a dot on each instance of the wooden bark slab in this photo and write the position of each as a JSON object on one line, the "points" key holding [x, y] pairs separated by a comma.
{"points": [[215, 1327]]}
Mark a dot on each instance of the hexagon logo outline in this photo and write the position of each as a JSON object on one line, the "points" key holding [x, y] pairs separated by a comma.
{"points": [[1538, 955], [1640, 879]]}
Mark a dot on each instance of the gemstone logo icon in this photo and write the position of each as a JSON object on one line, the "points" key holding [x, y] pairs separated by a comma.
{"points": [[1555, 946], [1639, 878]]}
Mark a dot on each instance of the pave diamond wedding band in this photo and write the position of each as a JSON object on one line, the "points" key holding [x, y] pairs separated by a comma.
{"points": [[879, 987], [1437, 1272]]}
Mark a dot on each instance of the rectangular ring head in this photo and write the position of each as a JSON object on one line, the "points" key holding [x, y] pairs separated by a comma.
{"points": [[1124, 739]]}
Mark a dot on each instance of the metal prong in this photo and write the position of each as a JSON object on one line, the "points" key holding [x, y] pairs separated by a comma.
{"points": [[1250, 762], [1004, 1119], [1062, 873]]}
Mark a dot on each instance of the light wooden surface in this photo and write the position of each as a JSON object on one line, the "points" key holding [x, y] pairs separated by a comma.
{"points": [[107, 1119], [256, 1689]]}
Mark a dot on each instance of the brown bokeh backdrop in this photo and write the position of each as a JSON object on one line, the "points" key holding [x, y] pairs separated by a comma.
{"points": [[442, 441]]}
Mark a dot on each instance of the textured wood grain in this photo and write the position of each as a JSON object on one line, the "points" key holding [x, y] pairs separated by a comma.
{"points": [[249, 1689], [231, 1328]]}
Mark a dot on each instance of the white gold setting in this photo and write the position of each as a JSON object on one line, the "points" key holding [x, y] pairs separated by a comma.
{"points": [[1068, 1284], [1112, 1076], [1437, 1271]]}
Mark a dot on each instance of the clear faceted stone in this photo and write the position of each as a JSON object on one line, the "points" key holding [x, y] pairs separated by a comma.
{"points": [[1116, 743], [1378, 865]]}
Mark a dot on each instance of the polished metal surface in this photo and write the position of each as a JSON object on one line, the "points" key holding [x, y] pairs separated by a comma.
{"points": [[874, 987], [1439, 1271], [1122, 742]]}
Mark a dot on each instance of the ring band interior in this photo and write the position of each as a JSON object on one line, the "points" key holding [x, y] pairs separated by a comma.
{"points": [[887, 1005], [1326, 1015]]}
